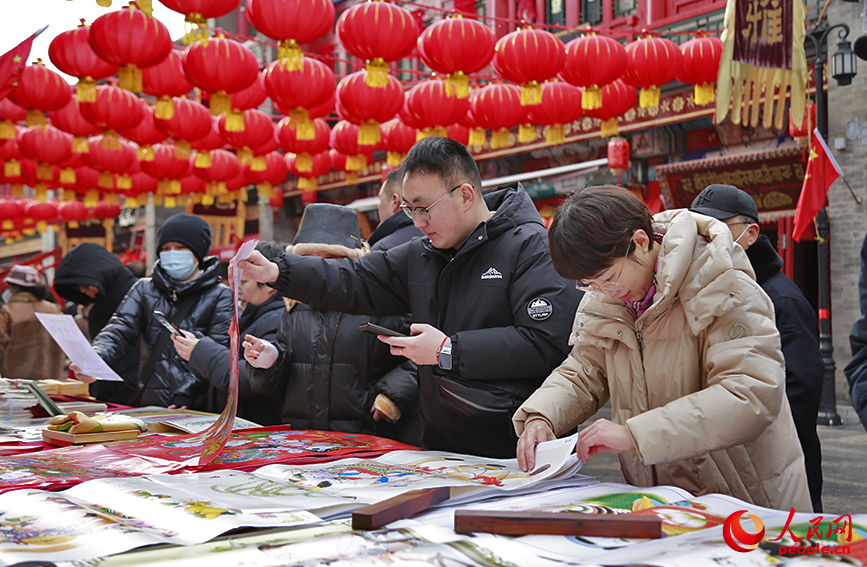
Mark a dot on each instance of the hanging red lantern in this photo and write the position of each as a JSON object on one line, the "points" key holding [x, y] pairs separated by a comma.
{"points": [[108, 160], [41, 212], [297, 90], [308, 181], [377, 32], [11, 156], [251, 97], [70, 120], [107, 212], [431, 105], [459, 133], [166, 80], [808, 123], [67, 179], [195, 190], [10, 113], [397, 140], [344, 139], [11, 211], [45, 145], [529, 57], [258, 130], [477, 136], [71, 52], [350, 164], [72, 212], [40, 90], [651, 62], [275, 173], [114, 110], [292, 24], [369, 106], [223, 166], [618, 155], [593, 61], [220, 66], [276, 202], [304, 149], [198, 12], [212, 141], [168, 168], [132, 40], [617, 98], [456, 47], [145, 134], [86, 183], [701, 58], [190, 121], [498, 108], [142, 185], [561, 104]]}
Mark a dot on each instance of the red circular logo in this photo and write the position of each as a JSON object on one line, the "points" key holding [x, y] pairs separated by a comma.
{"points": [[739, 539]]}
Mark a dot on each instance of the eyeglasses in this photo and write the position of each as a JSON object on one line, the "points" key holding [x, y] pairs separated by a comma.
{"points": [[611, 285], [424, 212], [738, 222]]}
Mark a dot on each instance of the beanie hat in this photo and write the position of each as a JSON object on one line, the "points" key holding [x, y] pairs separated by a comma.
{"points": [[189, 230], [24, 276]]}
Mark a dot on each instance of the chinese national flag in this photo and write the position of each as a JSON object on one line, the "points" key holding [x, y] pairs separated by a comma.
{"points": [[12, 64], [822, 171]]}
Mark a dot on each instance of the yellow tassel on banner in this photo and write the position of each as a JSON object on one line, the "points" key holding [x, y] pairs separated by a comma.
{"points": [[477, 137], [112, 198], [41, 192], [220, 103], [259, 163], [124, 182], [368, 134], [7, 130], [129, 78], [609, 128], [556, 134], [234, 121], [203, 159], [704, 93], [458, 85], [106, 180], [392, 159], [290, 55], [377, 73], [352, 178], [80, 145], [183, 149], [17, 190], [500, 138], [591, 98], [165, 108], [85, 90], [170, 202], [142, 199], [304, 162], [526, 133], [35, 118], [245, 156], [265, 190], [111, 140], [67, 175], [649, 97], [145, 153], [531, 93], [130, 203], [41, 226]]}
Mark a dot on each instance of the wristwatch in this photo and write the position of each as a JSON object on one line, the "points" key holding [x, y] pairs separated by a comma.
{"points": [[444, 354]]}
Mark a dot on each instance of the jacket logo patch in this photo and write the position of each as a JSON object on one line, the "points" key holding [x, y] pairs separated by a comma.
{"points": [[736, 330], [540, 309], [492, 274]]}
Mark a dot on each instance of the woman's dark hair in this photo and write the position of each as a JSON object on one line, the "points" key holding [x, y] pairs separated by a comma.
{"points": [[40, 291], [594, 228], [447, 159]]}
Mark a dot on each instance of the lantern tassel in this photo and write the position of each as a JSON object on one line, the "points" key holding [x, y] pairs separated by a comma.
{"points": [[7, 130], [111, 140], [73, 224], [245, 156], [352, 177], [207, 200], [91, 198], [170, 202], [259, 163], [17, 190], [112, 198], [12, 168], [41, 226], [556, 134], [458, 85], [526, 133], [356, 162], [704, 93], [392, 159], [203, 160], [500, 138], [304, 127], [182, 149], [290, 55], [609, 128], [68, 195], [377, 73], [477, 137], [35, 118], [591, 98], [649, 97], [165, 108], [141, 199], [304, 162], [368, 134], [234, 121], [308, 183], [265, 190], [67, 175], [130, 203], [41, 192], [220, 103], [85, 90], [531, 93], [80, 145], [43, 172], [124, 182], [145, 153], [130, 78], [106, 180]]}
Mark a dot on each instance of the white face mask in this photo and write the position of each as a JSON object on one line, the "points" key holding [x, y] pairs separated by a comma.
{"points": [[741, 236]]}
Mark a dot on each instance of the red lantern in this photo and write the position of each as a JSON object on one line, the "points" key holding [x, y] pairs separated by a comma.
{"points": [[220, 66], [276, 201], [350, 164], [168, 167], [132, 40], [12, 211], [198, 12], [223, 166], [457, 47], [196, 190], [142, 185], [190, 121], [808, 122], [297, 90], [71, 52], [71, 212], [70, 120], [344, 139], [529, 57], [561, 104], [10, 113], [291, 24], [258, 130], [114, 110], [41, 212], [304, 149], [164, 81], [212, 141], [323, 109], [251, 97], [86, 183], [498, 108], [701, 58], [617, 98], [320, 164], [145, 134], [430, 104], [459, 133], [368, 106], [651, 62], [397, 139], [106, 211], [275, 173], [45, 145], [40, 90], [618, 155], [11, 156], [108, 160], [377, 32], [477, 136], [593, 61], [67, 178]]}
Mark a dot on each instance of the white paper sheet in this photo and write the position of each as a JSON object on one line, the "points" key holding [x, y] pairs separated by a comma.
{"points": [[69, 337], [242, 254]]}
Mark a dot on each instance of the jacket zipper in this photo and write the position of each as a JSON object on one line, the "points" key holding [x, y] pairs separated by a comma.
{"points": [[469, 403], [625, 322]]}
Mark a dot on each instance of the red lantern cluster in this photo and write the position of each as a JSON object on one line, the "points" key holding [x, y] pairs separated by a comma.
{"points": [[456, 47], [529, 57]]}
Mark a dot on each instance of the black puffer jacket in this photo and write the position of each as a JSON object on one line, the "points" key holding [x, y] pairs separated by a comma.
{"points": [[393, 231], [508, 313], [328, 373], [210, 359], [856, 370], [172, 381]]}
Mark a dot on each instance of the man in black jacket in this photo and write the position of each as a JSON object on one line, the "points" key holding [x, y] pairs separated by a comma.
{"points": [[492, 316], [393, 228], [856, 370], [795, 318]]}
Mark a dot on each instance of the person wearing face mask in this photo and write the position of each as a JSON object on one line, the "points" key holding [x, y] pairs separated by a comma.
{"points": [[795, 318], [186, 288]]}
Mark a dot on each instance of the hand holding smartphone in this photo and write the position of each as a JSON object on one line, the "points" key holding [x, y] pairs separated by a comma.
{"points": [[164, 321], [377, 330]]}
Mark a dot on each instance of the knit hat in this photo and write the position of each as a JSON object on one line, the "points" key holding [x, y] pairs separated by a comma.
{"points": [[24, 276], [331, 229], [189, 230], [724, 202]]}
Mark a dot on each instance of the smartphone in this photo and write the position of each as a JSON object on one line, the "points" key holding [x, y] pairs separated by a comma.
{"points": [[377, 330], [164, 321]]}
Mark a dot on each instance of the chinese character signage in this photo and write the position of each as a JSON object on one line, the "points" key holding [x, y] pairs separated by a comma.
{"points": [[763, 35]]}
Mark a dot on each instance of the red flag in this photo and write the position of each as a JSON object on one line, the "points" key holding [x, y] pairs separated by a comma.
{"points": [[822, 171], [12, 64]]}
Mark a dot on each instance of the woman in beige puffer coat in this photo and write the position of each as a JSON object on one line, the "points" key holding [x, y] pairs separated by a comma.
{"points": [[676, 332]]}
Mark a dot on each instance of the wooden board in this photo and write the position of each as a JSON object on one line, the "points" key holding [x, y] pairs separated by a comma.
{"points": [[557, 523], [399, 507], [65, 438]]}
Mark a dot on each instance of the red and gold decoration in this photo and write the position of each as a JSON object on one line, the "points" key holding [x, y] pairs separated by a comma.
{"points": [[618, 155], [223, 167], [110, 159], [46, 145], [297, 90], [397, 140], [10, 113], [433, 108], [344, 139], [213, 140], [70, 120], [71, 52], [106, 211], [165, 81], [189, 122], [498, 108], [368, 106], [273, 174], [41, 212], [168, 168], [145, 134], [197, 12], [349, 164], [651, 62], [292, 24], [617, 98], [701, 58], [251, 97], [220, 66], [808, 122], [456, 47], [72, 212], [561, 104], [258, 131], [287, 135], [529, 57], [40, 90], [593, 61], [320, 164], [115, 109]]}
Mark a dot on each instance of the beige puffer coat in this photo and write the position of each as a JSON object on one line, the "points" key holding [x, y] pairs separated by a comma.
{"points": [[698, 380]]}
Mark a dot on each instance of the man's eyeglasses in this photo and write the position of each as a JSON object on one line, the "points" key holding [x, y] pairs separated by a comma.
{"points": [[424, 212], [611, 285]]}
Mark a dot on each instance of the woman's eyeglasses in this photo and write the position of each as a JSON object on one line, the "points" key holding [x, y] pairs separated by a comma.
{"points": [[611, 285], [424, 212]]}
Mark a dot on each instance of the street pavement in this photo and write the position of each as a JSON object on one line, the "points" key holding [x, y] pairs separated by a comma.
{"points": [[844, 464]]}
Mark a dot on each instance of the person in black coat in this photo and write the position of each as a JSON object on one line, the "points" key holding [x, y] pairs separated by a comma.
{"points": [[492, 317], [796, 321], [91, 275], [394, 227], [210, 359], [856, 370], [184, 277]]}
